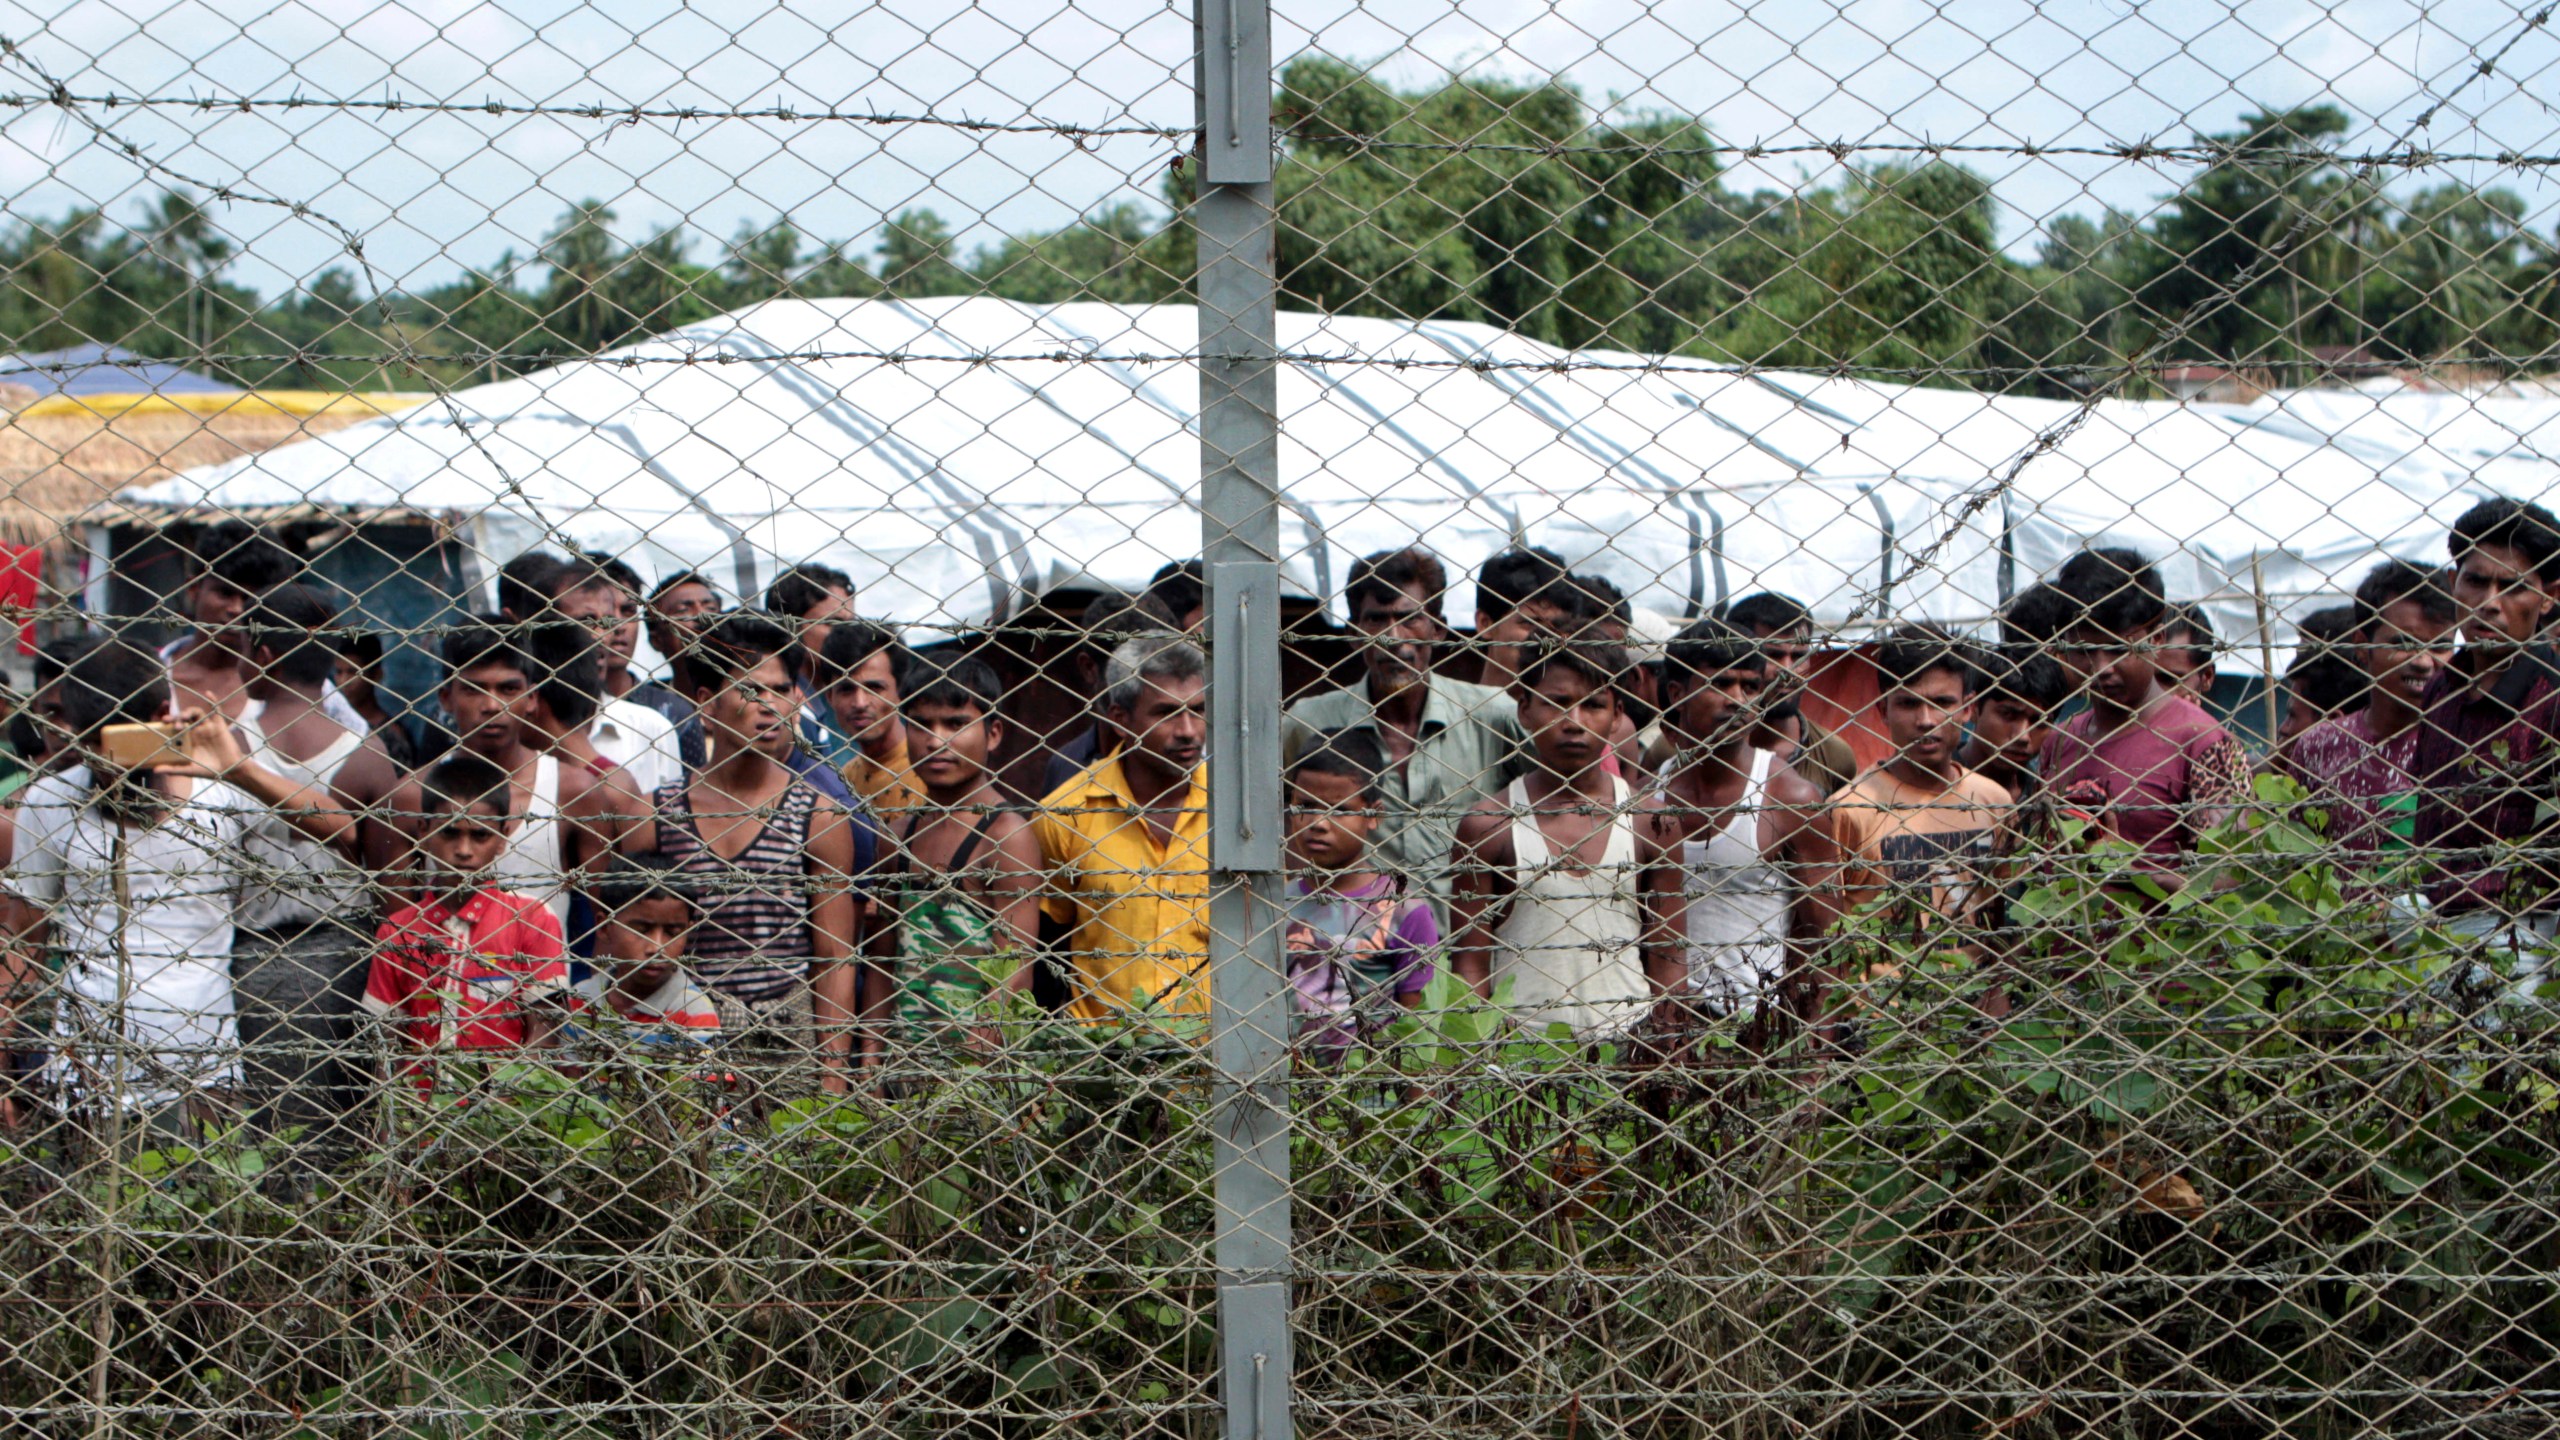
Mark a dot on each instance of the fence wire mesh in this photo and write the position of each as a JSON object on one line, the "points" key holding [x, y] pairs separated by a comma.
{"points": [[1849, 706]]}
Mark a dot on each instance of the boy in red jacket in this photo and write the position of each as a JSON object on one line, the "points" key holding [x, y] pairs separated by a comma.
{"points": [[467, 966]]}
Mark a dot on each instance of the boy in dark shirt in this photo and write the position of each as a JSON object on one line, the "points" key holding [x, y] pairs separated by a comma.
{"points": [[2022, 688], [2357, 764], [2486, 740]]}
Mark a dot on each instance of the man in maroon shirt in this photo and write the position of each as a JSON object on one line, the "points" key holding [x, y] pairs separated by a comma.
{"points": [[2150, 761], [2486, 742]]}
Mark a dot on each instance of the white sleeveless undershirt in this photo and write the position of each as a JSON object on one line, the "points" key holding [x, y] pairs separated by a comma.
{"points": [[532, 863], [1736, 901], [295, 879], [1568, 942]]}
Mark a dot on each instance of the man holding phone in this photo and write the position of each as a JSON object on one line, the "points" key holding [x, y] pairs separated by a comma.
{"points": [[132, 862], [134, 877]]}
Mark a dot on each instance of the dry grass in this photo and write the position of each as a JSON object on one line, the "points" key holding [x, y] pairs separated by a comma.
{"points": [[53, 467]]}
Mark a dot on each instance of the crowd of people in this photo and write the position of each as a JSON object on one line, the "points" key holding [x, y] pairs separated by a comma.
{"points": [[233, 872]]}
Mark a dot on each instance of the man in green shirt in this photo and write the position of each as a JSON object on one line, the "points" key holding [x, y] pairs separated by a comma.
{"points": [[1448, 744]]}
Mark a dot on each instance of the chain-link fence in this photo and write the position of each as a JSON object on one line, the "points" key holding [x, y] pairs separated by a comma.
{"points": [[1007, 719]]}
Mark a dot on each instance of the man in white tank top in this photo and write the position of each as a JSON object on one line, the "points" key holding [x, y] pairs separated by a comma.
{"points": [[1552, 875], [1752, 886]]}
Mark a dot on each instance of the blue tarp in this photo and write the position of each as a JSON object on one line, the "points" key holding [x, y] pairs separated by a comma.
{"points": [[105, 370]]}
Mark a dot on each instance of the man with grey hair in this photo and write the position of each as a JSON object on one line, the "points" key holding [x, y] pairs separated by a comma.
{"points": [[1125, 843]]}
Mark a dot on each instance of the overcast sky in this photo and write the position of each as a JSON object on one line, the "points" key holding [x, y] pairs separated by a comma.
{"points": [[432, 193]]}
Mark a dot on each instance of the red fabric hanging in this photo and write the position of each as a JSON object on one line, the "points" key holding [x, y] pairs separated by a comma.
{"points": [[21, 572]]}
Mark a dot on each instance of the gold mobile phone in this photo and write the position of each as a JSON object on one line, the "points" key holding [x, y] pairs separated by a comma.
{"points": [[143, 747]]}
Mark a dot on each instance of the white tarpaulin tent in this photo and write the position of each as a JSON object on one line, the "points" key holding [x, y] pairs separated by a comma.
{"points": [[956, 456]]}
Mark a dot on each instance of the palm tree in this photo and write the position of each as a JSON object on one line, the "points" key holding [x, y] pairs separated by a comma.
{"points": [[182, 236]]}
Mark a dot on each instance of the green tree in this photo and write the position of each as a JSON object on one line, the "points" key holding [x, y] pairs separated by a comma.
{"points": [[183, 239], [764, 262], [2056, 327], [660, 288], [915, 257], [1894, 272], [1105, 256], [577, 303], [2447, 281], [2255, 255], [58, 275], [1549, 220]]}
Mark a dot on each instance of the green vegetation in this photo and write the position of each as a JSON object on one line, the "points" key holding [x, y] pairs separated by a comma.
{"points": [[1547, 218], [2255, 1159]]}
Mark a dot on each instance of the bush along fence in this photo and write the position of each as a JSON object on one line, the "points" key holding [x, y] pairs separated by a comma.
{"points": [[2263, 1155]]}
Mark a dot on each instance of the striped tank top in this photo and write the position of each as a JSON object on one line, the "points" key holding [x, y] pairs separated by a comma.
{"points": [[753, 943]]}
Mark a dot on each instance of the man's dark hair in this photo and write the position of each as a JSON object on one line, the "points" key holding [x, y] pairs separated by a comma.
{"points": [[2327, 683], [296, 624], [1180, 586], [1768, 610], [246, 557], [2036, 615], [590, 568], [1514, 578], [1712, 646], [568, 671], [950, 682], [527, 584], [115, 682], [1388, 573], [1912, 651], [55, 656], [2324, 674], [851, 643], [741, 640], [2518, 525], [1596, 598], [1355, 755], [628, 880], [2027, 674], [486, 641], [2114, 589], [2328, 628], [682, 577], [363, 647], [2393, 581], [1114, 616], [2187, 617], [803, 588], [463, 780], [1602, 667]]}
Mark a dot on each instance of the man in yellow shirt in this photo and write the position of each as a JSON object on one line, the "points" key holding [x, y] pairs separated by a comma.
{"points": [[1126, 843]]}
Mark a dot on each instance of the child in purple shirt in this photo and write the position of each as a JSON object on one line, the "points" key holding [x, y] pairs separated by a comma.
{"points": [[1360, 944]]}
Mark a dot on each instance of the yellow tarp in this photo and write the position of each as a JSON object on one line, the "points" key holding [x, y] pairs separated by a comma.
{"points": [[297, 403]]}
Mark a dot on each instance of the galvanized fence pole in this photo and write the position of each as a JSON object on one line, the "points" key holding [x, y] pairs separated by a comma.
{"points": [[1240, 543]]}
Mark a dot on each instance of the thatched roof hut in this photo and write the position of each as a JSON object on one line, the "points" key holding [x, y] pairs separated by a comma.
{"points": [[61, 455]]}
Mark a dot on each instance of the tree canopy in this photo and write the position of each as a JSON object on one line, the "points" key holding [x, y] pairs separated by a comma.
{"points": [[1515, 203]]}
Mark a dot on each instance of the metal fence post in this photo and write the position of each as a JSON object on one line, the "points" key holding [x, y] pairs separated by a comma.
{"points": [[1240, 544]]}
